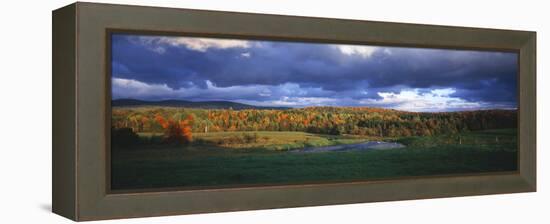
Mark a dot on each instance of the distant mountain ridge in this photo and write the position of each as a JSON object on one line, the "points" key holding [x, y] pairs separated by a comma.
{"points": [[189, 104]]}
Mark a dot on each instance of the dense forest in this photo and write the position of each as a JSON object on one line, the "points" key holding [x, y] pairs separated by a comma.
{"points": [[320, 120]]}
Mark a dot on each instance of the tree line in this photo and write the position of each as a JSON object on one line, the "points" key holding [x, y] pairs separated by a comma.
{"points": [[321, 120]]}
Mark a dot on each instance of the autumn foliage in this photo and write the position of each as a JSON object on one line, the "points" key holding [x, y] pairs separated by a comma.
{"points": [[178, 123], [176, 131]]}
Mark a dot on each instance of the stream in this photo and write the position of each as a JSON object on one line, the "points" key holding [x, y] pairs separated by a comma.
{"points": [[371, 145]]}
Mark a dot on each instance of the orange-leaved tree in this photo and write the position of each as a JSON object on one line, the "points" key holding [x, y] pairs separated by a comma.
{"points": [[176, 131]]}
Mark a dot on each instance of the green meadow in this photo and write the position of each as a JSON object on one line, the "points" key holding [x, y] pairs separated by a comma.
{"points": [[218, 159]]}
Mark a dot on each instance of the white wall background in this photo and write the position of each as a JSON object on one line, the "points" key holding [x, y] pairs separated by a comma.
{"points": [[25, 127]]}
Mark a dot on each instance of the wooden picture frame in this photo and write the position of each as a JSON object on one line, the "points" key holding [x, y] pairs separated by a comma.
{"points": [[81, 108]]}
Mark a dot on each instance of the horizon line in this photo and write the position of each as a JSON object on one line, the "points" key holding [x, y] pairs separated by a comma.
{"points": [[320, 106]]}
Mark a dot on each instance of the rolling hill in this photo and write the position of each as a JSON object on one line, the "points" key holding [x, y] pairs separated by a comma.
{"points": [[188, 104]]}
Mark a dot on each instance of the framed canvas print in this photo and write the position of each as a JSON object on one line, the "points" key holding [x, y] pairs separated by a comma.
{"points": [[202, 111]]}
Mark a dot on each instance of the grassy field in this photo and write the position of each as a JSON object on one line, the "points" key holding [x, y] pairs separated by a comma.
{"points": [[258, 140], [242, 158]]}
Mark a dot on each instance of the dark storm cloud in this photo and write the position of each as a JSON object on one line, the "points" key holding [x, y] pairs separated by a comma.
{"points": [[475, 75]]}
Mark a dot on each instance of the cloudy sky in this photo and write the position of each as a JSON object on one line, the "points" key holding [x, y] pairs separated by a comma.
{"points": [[290, 74]]}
